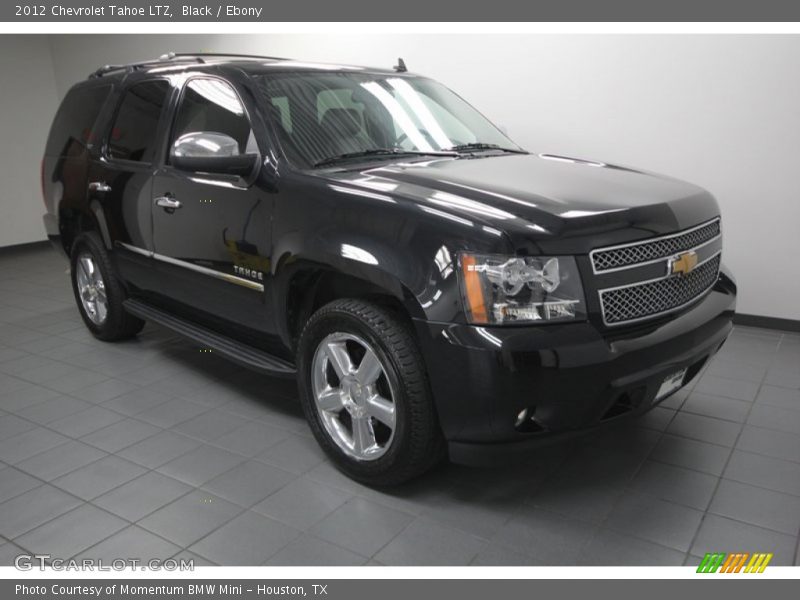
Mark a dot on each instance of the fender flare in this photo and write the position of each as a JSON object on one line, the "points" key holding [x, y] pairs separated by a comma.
{"points": [[287, 267]]}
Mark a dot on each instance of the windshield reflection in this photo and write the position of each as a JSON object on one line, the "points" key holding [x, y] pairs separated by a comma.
{"points": [[327, 118]]}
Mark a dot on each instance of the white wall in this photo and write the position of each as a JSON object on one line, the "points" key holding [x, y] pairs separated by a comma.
{"points": [[28, 101], [720, 111]]}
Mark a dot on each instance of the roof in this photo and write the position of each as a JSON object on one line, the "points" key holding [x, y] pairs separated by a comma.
{"points": [[245, 62]]}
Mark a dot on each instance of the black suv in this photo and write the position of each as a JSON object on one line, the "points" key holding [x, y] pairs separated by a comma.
{"points": [[436, 289]]}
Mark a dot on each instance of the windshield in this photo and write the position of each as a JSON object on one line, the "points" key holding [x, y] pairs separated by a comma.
{"points": [[325, 117]]}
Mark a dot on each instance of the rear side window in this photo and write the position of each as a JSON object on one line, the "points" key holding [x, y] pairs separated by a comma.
{"points": [[134, 134], [73, 127], [213, 105]]}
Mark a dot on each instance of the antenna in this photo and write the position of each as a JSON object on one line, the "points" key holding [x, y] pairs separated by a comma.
{"points": [[400, 67]]}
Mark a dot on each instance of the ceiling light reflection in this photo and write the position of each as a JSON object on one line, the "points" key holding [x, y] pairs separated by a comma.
{"points": [[399, 115], [444, 262], [358, 254], [218, 93], [478, 208], [362, 193], [444, 215], [421, 111]]}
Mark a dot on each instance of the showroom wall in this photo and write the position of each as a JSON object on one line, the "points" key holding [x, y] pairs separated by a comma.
{"points": [[720, 111], [28, 100]]}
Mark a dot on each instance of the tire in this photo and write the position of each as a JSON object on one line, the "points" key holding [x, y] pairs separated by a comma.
{"points": [[415, 443], [94, 279]]}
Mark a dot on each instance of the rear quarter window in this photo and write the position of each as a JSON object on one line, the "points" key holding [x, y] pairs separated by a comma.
{"points": [[73, 126]]}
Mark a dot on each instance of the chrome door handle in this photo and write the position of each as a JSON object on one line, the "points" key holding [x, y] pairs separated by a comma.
{"points": [[99, 187], [167, 202]]}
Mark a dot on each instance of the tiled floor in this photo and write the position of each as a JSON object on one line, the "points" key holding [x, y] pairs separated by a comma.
{"points": [[149, 448]]}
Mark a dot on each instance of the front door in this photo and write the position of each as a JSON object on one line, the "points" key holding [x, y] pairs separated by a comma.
{"points": [[211, 232]]}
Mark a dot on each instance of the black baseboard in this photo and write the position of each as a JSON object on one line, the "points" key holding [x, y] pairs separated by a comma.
{"points": [[767, 322], [23, 247]]}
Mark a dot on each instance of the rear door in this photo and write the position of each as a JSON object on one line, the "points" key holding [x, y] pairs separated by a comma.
{"points": [[211, 232], [120, 180]]}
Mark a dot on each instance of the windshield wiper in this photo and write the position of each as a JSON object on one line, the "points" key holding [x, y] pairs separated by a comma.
{"points": [[378, 152], [484, 146]]}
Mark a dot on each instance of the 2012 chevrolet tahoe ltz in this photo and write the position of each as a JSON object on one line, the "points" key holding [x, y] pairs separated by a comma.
{"points": [[436, 289]]}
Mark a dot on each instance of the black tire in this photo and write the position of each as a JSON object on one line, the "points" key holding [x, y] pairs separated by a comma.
{"points": [[118, 324], [418, 443]]}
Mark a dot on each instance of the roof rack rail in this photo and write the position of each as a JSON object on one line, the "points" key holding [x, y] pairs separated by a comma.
{"points": [[130, 67], [201, 55], [176, 57]]}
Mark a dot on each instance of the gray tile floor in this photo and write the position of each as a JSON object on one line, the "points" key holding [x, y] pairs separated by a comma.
{"points": [[150, 448]]}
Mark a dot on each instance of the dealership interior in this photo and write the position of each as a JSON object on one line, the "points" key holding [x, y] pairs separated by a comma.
{"points": [[150, 449]]}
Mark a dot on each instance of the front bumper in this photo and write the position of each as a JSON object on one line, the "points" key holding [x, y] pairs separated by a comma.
{"points": [[570, 377]]}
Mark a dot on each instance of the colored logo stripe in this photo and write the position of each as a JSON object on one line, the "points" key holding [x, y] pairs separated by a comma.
{"points": [[711, 562], [734, 562], [758, 563]]}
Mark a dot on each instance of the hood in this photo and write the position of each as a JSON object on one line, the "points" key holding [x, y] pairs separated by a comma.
{"points": [[545, 202]]}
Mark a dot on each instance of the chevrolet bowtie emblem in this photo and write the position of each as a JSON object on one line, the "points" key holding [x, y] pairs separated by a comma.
{"points": [[683, 264]]}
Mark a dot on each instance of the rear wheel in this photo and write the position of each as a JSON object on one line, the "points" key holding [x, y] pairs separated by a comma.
{"points": [[365, 393], [99, 292]]}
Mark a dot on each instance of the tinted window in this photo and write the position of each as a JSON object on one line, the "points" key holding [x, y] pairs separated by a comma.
{"points": [[282, 111], [134, 134], [74, 123], [212, 105], [322, 115]]}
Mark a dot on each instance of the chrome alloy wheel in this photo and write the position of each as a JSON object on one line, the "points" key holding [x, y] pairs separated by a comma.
{"points": [[91, 288], [353, 396]]}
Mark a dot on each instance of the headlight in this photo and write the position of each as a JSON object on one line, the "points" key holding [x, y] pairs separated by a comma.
{"points": [[506, 289]]}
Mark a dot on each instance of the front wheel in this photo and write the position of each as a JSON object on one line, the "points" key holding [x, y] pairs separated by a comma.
{"points": [[365, 393]]}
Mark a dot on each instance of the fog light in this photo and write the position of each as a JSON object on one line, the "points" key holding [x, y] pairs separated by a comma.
{"points": [[521, 417]]}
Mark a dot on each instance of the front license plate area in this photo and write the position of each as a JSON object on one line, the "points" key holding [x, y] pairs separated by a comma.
{"points": [[670, 384]]}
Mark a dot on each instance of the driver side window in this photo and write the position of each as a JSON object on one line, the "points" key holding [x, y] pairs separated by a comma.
{"points": [[211, 105]]}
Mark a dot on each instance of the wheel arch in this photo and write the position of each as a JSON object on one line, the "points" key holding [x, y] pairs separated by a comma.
{"points": [[305, 286], [74, 222]]}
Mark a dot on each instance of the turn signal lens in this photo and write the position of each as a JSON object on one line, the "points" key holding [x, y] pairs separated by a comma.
{"points": [[473, 290]]}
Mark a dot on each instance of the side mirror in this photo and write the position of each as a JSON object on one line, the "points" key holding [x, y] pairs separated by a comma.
{"points": [[211, 152]]}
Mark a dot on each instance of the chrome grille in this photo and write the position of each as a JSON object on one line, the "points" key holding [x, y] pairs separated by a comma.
{"points": [[608, 259], [648, 299]]}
